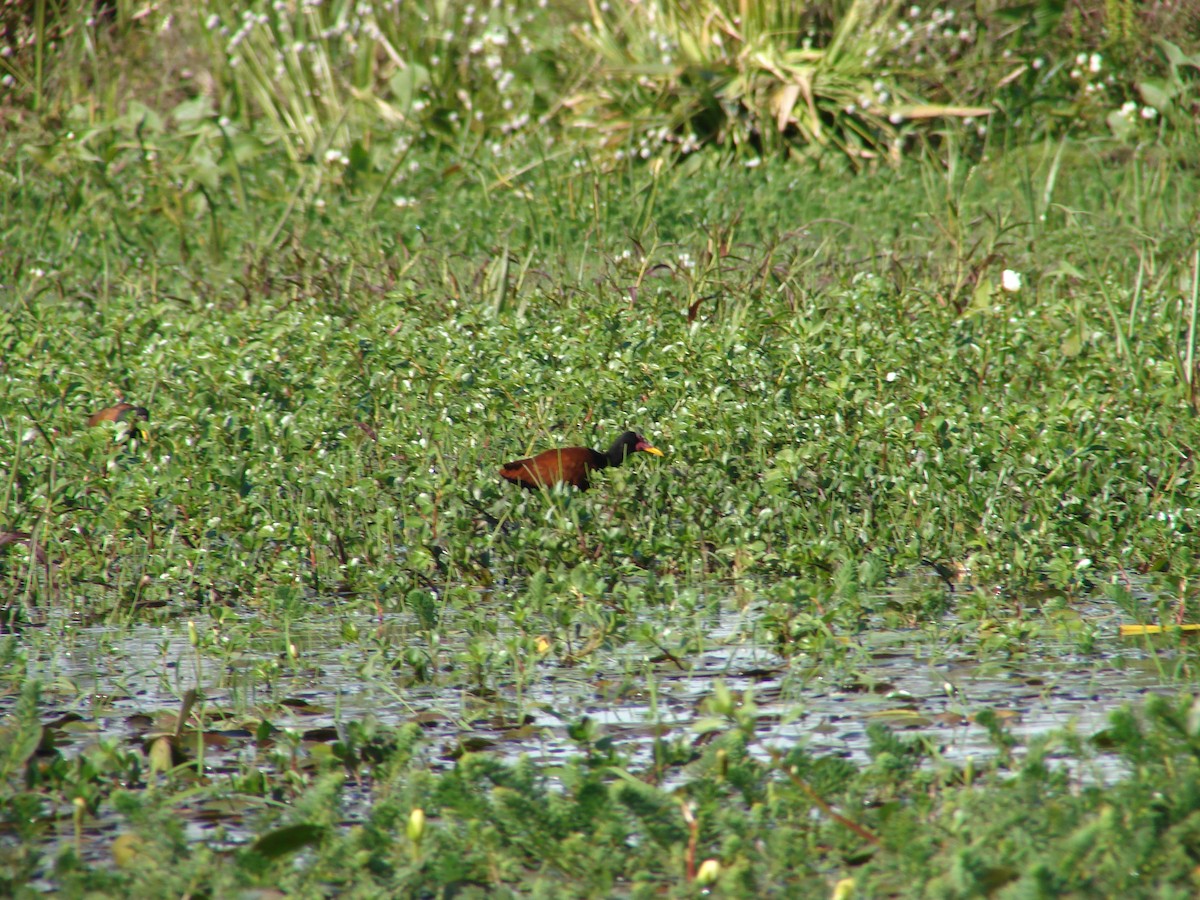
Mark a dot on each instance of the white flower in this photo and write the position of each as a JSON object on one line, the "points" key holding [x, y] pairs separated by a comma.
{"points": [[1010, 281]]}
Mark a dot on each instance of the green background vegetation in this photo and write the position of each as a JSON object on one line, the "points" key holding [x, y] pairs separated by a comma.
{"points": [[353, 256]]}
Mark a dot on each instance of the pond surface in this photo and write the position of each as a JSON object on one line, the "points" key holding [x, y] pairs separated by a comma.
{"points": [[122, 683]]}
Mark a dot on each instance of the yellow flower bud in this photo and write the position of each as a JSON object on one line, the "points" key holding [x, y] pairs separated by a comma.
{"points": [[416, 825], [710, 871]]}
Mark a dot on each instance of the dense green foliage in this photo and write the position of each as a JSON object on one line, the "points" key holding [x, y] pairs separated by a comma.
{"points": [[832, 401], [354, 257]]}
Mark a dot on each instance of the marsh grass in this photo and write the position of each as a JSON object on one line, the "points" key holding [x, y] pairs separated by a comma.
{"points": [[664, 305]]}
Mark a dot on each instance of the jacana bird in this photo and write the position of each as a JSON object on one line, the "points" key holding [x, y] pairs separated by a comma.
{"points": [[573, 465], [122, 412]]}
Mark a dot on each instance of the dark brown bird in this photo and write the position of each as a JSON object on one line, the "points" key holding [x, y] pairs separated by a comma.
{"points": [[119, 413], [573, 465], [23, 537]]}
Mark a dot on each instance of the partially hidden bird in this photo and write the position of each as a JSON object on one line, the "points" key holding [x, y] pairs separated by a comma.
{"points": [[122, 412], [573, 465]]}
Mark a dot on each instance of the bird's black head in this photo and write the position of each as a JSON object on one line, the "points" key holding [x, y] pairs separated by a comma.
{"points": [[629, 442]]}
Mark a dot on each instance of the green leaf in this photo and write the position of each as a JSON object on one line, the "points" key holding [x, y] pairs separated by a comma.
{"points": [[406, 83], [982, 297], [1072, 346], [1177, 57], [1157, 94], [20, 744], [288, 839], [197, 109], [1121, 124], [360, 158], [1064, 269]]}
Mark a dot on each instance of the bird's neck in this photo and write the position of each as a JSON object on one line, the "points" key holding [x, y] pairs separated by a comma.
{"points": [[615, 455]]}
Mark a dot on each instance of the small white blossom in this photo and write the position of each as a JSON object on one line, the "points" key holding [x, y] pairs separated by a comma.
{"points": [[1010, 281]]}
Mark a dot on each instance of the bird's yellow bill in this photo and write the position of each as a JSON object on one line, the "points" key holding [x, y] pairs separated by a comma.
{"points": [[654, 451]]}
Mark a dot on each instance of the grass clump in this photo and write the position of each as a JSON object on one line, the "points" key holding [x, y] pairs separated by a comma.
{"points": [[762, 76]]}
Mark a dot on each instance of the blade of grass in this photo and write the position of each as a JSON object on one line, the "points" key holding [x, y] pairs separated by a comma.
{"points": [[1137, 290], [1189, 372]]}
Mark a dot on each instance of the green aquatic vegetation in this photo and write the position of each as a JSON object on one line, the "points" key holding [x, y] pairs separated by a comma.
{"points": [[312, 453], [904, 821], [927, 438]]}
